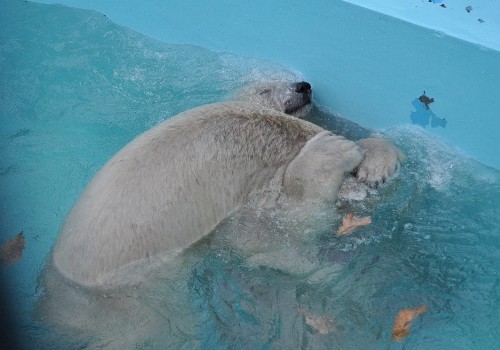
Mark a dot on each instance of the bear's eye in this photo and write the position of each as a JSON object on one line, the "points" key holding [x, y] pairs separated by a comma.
{"points": [[264, 91]]}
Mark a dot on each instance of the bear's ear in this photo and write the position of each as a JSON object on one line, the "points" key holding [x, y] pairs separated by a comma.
{"points": [[317, 172]]}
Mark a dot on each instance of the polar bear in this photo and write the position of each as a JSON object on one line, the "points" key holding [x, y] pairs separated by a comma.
{"points": [[169, 188], [173, 184]]}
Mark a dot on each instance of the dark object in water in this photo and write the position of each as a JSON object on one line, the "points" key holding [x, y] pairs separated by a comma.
{"points": [[468, 9], [12, 250], [426, 100]]}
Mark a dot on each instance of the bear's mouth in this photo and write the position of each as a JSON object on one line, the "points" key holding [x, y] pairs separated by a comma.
{"points": [[299, 108], [300, 99]]}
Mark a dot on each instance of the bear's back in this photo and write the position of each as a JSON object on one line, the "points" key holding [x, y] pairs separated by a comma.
{"points": [[172, 185]]}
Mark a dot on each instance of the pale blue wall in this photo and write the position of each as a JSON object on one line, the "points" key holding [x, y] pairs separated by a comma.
{"points": [[364, 65]]}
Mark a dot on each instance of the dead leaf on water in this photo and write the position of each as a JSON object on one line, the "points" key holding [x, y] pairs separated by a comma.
{"points": [[351, 223], [403, 322], [12, 250]]}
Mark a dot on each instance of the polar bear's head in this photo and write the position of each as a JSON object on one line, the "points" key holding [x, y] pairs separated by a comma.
{"points": [[290, 98]]}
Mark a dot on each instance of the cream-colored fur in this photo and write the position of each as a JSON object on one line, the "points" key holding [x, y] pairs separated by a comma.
{"points": [[382, 158], [116, 275], [172, 185], [292, 98], [381, 161]]}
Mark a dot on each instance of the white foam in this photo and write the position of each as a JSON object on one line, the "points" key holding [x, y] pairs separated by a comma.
{"points": [[436, 158]]}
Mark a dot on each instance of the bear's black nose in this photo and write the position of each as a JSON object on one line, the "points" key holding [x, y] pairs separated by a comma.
{"points": [[302, 87]]}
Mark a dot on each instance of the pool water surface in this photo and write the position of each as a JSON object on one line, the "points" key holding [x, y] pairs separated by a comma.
{"points": [[75, 88]]}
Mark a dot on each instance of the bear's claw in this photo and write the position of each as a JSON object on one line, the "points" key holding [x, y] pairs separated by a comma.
{"points": [[381, 162]]}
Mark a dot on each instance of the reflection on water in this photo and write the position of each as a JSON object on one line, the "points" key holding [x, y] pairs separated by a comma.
{"points": [[423, 114]]}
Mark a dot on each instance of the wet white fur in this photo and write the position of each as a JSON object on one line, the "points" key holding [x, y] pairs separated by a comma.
{"points": [[173, 184]]}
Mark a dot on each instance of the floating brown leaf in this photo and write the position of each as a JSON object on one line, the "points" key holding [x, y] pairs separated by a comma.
{"points": [[12, 250], [426, 100], [403, 322], [321, 324], [351, 222]]}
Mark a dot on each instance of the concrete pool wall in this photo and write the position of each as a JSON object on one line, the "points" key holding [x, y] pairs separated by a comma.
{"points": [[366, 66]]}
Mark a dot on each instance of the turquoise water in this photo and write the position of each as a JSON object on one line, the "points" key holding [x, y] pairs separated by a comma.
{"points": [[75, 88], [363, 64]]}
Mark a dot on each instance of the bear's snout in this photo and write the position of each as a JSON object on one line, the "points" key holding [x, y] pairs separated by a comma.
{"points": [[303, 87]]}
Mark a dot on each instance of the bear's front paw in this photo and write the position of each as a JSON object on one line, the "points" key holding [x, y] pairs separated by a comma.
{"points": [[381, 162]]}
